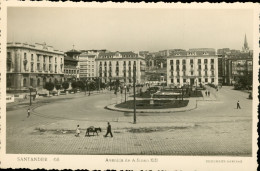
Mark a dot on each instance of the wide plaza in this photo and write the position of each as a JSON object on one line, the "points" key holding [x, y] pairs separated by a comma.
{"points": [[214, 127]]}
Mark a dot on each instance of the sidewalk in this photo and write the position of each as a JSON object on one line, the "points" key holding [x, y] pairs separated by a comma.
{"points": [[24, 103]]}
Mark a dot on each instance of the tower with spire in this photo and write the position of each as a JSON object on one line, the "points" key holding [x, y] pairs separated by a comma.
{"points": [[245, 48]]}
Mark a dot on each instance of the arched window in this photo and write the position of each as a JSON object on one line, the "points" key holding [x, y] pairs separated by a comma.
{"points": [[38, 82], [24, 82]]}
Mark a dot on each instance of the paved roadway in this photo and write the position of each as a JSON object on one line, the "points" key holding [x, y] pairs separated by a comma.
{"points": [[214, 128]]}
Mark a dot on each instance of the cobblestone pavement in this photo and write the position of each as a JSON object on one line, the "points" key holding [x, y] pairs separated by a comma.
{"points": [[214, 128]]}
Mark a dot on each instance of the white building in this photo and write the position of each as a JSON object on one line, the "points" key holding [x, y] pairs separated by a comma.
{"points": [[87, 66], [192, 67], [120, 65]]}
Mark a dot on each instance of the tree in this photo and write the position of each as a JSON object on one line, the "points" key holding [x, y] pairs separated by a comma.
{"points": [[58, 86], [65, 85], [49, 86], [81, 85], [74, 85]]}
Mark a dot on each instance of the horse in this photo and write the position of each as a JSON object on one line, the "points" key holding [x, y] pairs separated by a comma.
{"points": [[92, 129]]}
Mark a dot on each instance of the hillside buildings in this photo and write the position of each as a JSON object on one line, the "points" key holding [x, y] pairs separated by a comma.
{"points": [[33, 65]]}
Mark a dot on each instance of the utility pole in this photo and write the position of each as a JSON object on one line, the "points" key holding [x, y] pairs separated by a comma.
{"points": [[30, 95], [125, 93], [134, 93]]}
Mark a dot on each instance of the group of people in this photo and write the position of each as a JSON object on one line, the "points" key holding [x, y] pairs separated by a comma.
{"points": [[207, 93], [109, 131]]}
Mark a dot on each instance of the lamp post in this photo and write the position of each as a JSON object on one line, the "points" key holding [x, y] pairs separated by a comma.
{"points": [[88, 88], [125, 93], [134, 79], [30, 88], [85, 86]]}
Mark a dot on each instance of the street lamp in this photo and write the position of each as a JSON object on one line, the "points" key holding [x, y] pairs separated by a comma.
{"points": [[125, 93], [30, 88], [134, 79]]}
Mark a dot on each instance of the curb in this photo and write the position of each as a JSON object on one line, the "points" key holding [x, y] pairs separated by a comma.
{"points": [[113, 108]]}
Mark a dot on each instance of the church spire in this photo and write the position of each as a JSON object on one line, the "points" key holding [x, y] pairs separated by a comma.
{"points": [[245, 48], [245, 43]]}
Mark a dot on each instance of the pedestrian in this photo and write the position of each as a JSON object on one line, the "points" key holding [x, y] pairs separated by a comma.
{"points": [[28, 113], [238, 105], [77, 131], [208, 93], [108, 130]]}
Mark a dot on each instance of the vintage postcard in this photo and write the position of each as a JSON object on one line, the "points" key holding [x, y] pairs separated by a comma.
{"points": [[145, 86]]}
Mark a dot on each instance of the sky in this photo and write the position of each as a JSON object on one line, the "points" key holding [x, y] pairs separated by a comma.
{"points": [[130, 29]]}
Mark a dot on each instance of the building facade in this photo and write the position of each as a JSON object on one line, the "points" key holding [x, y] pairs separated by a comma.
{"points": [[192, 67], [87, 66], [71, 69], [113, 66], [33, 65]]}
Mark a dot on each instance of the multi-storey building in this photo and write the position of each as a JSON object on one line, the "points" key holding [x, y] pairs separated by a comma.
{"points": [[234, 64], [33, 65], [87, 66], [71, 65], [192, 67], [71, 69], [120, 66]]}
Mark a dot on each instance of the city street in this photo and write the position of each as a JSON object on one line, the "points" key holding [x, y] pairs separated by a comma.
{"points": [[215, 127]]}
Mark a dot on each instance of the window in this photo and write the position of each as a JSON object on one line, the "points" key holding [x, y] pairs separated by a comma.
{"points": [[205, 61], [183, 61], [212, 73], [55, 60], [171, 73], [38, 58], [184, 67], [32, 67], [212, 67], [177, 62], [206, 66], [184, 73], [25, 57], [38, 82], [191, 66], [206, 80], [38, 66], [171, 80], [178, 73], [178, 80], [24, 82], [199, 66], [191, 72], [206, 73], [199, 61], [191, 61], [61, 60], [171, 62], [31, 57], [212, 61], [171, 67], [199, 80], [184, 80], [212, 80]]}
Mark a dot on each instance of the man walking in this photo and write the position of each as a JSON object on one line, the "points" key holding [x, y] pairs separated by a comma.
{"points": [[108, 130], [206, 92], [28, 112], [238, 105]]}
